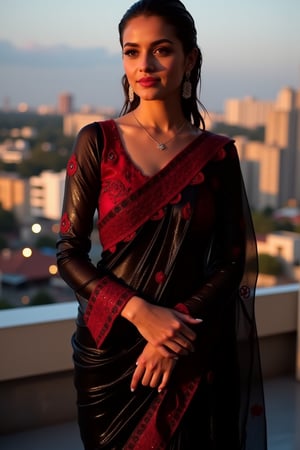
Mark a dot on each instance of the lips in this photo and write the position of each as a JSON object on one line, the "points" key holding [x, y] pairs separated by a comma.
{"points": [[148, 81]]}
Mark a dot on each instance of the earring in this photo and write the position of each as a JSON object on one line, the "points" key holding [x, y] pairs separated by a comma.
{"points": [[187, 87], [130, 94]]}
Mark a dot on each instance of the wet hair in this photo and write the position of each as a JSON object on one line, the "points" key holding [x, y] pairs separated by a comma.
{"points": [[175, 14]]}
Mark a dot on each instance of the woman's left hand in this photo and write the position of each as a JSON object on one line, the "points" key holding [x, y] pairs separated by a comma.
{"points": [[152, 369]]}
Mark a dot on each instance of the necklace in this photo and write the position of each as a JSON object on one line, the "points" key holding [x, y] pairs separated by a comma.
{"points": [[160, 145]]}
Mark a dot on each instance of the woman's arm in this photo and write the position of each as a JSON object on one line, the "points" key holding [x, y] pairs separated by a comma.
{"points": [[106, 294]]}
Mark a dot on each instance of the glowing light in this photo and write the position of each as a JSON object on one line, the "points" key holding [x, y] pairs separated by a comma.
{"points": [[36, 228], [26, 252], [25, 300], [53, 269], [55, 228]]}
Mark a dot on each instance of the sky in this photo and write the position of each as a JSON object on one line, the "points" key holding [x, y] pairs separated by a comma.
{"points": [[47, 47]]}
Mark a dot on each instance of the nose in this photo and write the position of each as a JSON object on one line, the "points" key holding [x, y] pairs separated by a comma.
{"points": [[147, 62]]}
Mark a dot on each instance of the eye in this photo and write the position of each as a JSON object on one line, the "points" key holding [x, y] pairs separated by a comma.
{"points": [[130, 52], [163, 51]]}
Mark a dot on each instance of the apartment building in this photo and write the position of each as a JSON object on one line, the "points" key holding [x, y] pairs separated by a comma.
{"points": [[46, 194], [247, 112], [14, 194], [271, 168]]}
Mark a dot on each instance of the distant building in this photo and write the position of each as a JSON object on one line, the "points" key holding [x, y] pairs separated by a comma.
{"points": [[247, 112], [46, 194], [17, 269], [74, 122], [271, 169], [14, 150], [65, 103], [284, 245], [14, 194]]}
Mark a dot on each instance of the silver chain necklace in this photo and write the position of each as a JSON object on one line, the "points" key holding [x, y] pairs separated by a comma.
{"points": [[160, 145]]}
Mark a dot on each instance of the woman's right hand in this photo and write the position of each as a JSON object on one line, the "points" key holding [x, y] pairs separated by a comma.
{"points": [[166, 329], [152, 369]]}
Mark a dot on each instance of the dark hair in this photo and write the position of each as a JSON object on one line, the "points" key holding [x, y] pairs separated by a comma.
{"points": [[175, 14]]}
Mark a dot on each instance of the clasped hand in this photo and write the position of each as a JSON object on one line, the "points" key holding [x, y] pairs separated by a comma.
{"points": [[169, 335]]}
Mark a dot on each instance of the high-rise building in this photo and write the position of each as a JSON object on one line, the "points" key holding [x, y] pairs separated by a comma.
{"points": [[46, 194], [271, 168], [247, 112], [283, 130], [14, 194], [65, 103]]}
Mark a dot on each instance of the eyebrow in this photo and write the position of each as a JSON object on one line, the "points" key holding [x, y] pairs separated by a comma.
{"points": [[153, 44]]}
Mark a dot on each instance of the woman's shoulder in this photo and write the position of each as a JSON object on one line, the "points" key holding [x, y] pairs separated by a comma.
{"points": [[92, 128], [218, 137]]}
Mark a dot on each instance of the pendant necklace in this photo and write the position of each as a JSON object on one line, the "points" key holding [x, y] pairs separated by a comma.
{"points": [[160, 145]]}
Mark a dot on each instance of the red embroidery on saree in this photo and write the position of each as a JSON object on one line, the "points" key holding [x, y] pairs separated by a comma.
{"points": [[112, 156], [181, 307], [115, 189], [72, 165], [220, 154], [130, 237], [198, 179], [105, 304], [159, 215], [176, 199], [65, 224], [186, 211], [244, 292], [160, 277]]}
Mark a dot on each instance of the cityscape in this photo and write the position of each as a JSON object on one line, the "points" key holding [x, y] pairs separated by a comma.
{"points": [[32, 173]]}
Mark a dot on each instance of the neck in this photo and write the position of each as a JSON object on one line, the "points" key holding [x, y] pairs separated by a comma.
{"points": [[161, 138], [159, 116]]}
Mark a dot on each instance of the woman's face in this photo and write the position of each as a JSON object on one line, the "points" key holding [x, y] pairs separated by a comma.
{"points": [[153, 58]]}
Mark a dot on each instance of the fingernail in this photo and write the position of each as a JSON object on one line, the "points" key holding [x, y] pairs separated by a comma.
{"points": [[132, 390]]}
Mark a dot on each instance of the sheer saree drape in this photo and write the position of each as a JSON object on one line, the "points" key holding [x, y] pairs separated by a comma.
{"points": [[182, 239]]}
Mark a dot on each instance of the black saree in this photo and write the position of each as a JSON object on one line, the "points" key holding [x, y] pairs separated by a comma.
{"points": [[184, 239]]}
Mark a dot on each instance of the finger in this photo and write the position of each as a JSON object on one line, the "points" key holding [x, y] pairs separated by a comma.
{"points": [[164, 381], [187, 333], [146, 380], [187, 318], [166, 352], [136, 377], [155, 379], [180, 348]]}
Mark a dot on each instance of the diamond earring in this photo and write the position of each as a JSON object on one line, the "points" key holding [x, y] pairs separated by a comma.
{"points": [[130, 94]]}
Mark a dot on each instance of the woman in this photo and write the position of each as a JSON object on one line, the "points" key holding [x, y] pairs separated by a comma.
{"points": [[165, 349]]}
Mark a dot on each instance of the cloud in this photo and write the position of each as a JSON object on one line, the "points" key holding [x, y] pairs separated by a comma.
{"points": [[59, 56]]}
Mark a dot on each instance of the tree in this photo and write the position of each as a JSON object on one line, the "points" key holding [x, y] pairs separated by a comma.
{"points": [[8, 220], [42, 297], [4, 304], [269, 264], [263, 223]]}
